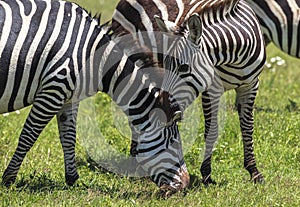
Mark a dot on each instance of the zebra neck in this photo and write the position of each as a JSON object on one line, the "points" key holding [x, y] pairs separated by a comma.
{"points": [[121, 68], [94, 58]]}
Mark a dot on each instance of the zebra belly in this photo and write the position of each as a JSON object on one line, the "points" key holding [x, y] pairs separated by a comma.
{"points": [[18, 103], [17, 89], [233, 77]]}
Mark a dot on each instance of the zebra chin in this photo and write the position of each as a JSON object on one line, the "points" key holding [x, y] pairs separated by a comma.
{"points": [[171, 181], [168, 176]]}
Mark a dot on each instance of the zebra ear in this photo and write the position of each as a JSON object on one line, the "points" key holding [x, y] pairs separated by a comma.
{"points": [[164, 25], [194, 25]]}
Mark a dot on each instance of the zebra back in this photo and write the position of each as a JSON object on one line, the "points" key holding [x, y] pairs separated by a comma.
{"points": [[228, 26], [280, 23], [142, 13]]}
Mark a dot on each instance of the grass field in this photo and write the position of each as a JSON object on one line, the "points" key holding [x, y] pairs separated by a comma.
{"points": [[41, 181]]}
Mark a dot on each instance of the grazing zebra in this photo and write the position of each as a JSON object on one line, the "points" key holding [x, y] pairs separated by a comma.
{"points": [[231, 36], [280, 23], [53, 54]]}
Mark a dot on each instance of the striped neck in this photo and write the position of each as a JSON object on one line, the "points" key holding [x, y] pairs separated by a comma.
{"points": [[125, 71]]}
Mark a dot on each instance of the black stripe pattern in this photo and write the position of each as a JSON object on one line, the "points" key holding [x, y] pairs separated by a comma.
{"points": [[53, 54], [280, 23], [231, 37]]}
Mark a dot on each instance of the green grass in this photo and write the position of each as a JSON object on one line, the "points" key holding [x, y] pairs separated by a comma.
{"points": [[40, 181], [103, 7]]}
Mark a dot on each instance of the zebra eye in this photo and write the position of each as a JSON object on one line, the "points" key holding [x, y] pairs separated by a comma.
{"points": [[183, 68]]}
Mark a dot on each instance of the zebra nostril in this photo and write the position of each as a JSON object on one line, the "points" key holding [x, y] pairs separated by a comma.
{"points": [[184, 68]]}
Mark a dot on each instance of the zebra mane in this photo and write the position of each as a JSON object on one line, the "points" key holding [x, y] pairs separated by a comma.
{"points": [[96, 17], [202, 6], [215, 5], [138, 54]]}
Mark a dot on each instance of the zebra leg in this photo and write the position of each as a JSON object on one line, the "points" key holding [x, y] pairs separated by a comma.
{"points": [[245, 101], [210, 104], [134, 143], [40, 115], [267, 40], [66, 119]]}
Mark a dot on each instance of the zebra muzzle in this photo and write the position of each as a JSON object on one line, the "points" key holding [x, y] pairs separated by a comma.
{"points": [[167, 189]]}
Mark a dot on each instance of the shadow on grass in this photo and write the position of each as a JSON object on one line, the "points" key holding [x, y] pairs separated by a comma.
{"points": [[40, 182], [196, 184], [291, 107], [141, 188]]}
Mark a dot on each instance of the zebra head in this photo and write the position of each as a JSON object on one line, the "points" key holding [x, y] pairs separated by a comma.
{"points": [[152, 112], [159, 149], [158, 143], [187, 58]]}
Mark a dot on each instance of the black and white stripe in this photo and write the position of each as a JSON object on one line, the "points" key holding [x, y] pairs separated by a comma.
{"points": [[280, 23], [53, 54], [231, 37]]}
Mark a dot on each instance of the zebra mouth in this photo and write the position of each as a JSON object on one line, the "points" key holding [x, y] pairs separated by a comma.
{"points": [[169, 188], [166, 190]]}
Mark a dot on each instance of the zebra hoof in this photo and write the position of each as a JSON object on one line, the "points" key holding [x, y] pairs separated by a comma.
{"points": [[258, 178], [70, 180], [8, 178], [208, 181]]}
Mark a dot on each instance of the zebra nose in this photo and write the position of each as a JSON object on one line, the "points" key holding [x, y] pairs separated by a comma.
{"points": [[185, 178], [169, 189]]}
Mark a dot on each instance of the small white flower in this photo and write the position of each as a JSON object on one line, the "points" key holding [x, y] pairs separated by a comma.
{"points": [[269, 65], [281, 63], [273, 60]]}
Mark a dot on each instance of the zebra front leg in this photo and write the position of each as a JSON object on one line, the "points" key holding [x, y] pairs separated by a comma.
{"points": [[210, 104], [245, 102], [40, 115], [66, 119], [134, 142]]}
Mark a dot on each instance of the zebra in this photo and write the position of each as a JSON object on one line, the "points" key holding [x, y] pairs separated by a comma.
{"points": [[231, 36], [53, 54], [280, 23]]}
